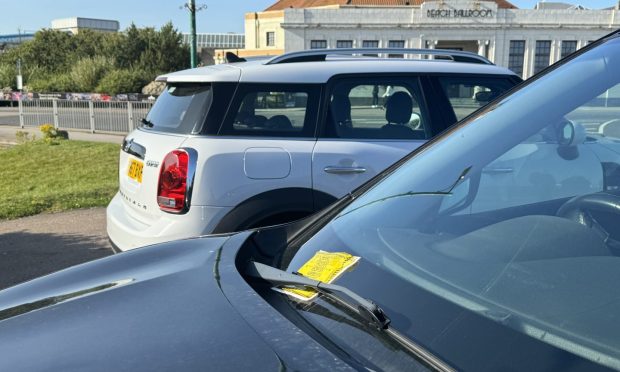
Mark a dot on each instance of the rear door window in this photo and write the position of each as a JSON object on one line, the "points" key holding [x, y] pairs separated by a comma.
{"points": [[181, 108], [468, 94], [377, 108], [273, 111]]}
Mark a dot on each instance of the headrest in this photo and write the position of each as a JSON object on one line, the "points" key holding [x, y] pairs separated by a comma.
{"points": [[398, 108]]}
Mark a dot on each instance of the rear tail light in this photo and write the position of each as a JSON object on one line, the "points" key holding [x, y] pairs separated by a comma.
{"points": [[176, 179]]}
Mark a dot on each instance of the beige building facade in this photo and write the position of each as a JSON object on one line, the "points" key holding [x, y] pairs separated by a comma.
{"points": [[525, 40]]}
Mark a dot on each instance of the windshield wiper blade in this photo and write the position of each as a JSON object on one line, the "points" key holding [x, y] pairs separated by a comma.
{"points": [[367, 309]]}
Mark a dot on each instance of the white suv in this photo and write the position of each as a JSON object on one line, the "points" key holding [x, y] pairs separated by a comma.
{"points": [[256, 143]]}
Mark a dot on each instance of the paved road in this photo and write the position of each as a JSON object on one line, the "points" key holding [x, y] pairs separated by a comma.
{"points": [[9, 115], [34, 246]]}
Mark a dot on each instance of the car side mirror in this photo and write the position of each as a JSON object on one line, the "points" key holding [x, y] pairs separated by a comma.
{"points": [[570, 134]]}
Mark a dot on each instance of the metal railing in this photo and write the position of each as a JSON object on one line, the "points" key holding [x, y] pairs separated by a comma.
{"points": [[111, 117]]}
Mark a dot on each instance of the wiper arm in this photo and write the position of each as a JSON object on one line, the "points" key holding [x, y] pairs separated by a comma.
{"points": [[367, 309], [146, 122]]}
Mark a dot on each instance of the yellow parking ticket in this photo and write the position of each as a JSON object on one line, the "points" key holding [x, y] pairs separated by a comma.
{"points": [[323, 266]]}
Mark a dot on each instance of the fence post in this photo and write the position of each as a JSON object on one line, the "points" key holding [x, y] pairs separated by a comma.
{"points": [[20, 104], [91, 114], [130, 115], [55, 112]]}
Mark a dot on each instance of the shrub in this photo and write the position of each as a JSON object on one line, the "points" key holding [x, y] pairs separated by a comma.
{"points": [[52, 83], [24, 137], [122, 81], [88, 71], [51, 135]]}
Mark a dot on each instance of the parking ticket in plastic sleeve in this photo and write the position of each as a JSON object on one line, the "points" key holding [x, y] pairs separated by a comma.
{"points": [[323, 266]]}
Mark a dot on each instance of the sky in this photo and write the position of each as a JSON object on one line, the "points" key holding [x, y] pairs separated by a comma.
{"points": [[219, 16]]}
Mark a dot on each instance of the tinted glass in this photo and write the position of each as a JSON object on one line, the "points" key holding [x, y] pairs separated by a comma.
{"points": [[568, 47], [513, 218], [377, 108], [181, 108], [272, 111], [344, 44], [396, 44], [468, 94], [541, 55], [318, 44], [516, 55]]}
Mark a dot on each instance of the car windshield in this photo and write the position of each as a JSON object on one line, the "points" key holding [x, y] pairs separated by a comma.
{"points": [[513, 217]]}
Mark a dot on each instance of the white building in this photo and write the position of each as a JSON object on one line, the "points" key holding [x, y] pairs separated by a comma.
{"points": [[75, 24], [525, 40]]}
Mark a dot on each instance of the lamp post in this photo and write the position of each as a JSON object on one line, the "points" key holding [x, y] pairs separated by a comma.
{"points": [[191, 6], [19, 75]]}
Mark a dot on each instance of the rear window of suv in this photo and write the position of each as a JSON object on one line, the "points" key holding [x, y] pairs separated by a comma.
{"points": [[181, 108], [265, 110]]}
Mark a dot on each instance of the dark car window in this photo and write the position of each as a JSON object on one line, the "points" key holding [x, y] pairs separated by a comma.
{"points": [[468, 94], [280, 111], [377, 108], [502, 236], [181, 108]]}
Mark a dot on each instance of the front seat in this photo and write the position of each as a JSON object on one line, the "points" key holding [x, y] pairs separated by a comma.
{"points": [[398, 113], [279, 122], [340, 109]]}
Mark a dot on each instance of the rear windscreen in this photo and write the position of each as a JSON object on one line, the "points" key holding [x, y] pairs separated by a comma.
{"points": [[181, 108]]}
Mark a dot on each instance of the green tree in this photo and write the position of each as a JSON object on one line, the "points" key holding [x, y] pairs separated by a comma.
{"points": [[55, 60], [122, 81], [50, 50], [88, 71]]}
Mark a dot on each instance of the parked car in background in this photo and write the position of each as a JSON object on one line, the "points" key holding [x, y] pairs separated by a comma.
{"points": [[435, 269], [243, 145]]}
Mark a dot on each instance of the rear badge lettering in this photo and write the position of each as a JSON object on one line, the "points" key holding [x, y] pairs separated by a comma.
{"points": [[131, 201], [152, 163]]}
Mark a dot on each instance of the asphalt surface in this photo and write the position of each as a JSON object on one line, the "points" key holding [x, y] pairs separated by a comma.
{"points": [[34, 246]]}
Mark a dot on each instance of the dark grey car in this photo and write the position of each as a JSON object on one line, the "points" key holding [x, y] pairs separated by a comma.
{"points": [[442, 262]]}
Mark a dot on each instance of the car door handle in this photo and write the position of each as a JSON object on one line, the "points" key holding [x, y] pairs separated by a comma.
{"points": [[497, 170], [343, 170]]}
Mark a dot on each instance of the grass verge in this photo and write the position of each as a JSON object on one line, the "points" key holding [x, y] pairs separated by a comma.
{"points": [[37, 177]]}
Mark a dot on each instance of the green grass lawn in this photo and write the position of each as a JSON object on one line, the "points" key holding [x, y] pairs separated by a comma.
{"points": [[37, 177]]}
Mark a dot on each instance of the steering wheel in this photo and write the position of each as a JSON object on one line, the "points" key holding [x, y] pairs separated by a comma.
{"points": [[580, 208]]}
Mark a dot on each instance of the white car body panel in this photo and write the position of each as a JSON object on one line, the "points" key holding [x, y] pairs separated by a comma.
{"points": [[371, 155], [221, 179]]}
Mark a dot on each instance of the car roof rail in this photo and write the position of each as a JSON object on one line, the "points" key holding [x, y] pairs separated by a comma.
{"points": [[316, 55]]}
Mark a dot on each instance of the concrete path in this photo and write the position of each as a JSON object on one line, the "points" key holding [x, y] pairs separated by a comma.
{"points": [[7, 135], [34, 246]]}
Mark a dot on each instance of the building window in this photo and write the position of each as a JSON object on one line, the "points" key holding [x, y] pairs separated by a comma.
{"points": [[541, 55], [396, 44], [318, 44], [568, 47], [271, 38], [344, 44], [370, 44], [515, 56]]}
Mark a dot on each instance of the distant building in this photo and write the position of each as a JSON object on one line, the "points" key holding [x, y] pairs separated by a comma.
{"points": [[207, 43], [75, 24], [11, 40], [524, 40]]}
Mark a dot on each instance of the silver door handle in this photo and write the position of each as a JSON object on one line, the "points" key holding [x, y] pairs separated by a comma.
{"points": [[498, 170], [343, 170]]}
